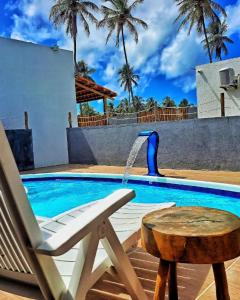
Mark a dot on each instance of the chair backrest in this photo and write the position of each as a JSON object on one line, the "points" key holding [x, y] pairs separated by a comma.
{"points": [[20, 233]]}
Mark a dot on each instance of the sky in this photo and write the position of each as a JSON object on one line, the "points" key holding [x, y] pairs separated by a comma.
{"points": [[164, 58]]}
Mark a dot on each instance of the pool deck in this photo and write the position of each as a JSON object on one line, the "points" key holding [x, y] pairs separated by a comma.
{"points": [[194, 281], [202, 175]]}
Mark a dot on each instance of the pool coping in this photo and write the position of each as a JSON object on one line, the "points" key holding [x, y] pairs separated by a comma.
{"points": [[144, 178]]}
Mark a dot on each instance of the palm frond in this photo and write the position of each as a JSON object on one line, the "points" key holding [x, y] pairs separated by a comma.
{"points": [[218, 7], [225, 49], [109, 35], [217, 39], [135, 4], [89, 15], [139, 22], [91, 5], [195, 12], [228, 40], [85, 23], [118, 15], [118, 32], [133, 30]]}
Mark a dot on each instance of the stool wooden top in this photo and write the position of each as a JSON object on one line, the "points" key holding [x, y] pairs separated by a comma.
{"points": [[192, 234]]}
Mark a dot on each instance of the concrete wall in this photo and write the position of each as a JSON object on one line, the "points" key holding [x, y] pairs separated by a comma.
{"points": [[209, 91], [119, 119], [22, 147], [40, 81], [190, 144]]}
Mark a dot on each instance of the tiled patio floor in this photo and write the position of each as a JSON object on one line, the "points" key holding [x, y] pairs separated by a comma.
{"points": [[194, 281]]}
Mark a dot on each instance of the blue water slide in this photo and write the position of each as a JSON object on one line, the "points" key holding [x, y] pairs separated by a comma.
{"points": [[152, 149]]}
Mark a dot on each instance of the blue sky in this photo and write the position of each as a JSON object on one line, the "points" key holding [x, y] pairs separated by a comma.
{"points": [[164, 58]]}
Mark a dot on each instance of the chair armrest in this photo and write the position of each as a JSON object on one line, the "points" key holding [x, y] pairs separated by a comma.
{"points": [[77, 229]]}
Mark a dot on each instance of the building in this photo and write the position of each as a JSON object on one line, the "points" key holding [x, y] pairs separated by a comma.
{"points": [[37, 83], [218, 89]]}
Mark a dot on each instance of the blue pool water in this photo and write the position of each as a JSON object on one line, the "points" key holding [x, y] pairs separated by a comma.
{"points": [[54, 196]]}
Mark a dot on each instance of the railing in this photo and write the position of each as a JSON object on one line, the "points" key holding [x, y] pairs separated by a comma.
{"points": [[98, 120], [152, 115], [163, 114]]}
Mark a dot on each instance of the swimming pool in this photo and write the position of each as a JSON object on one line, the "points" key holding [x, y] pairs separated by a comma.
{"points": [[52, 194]]}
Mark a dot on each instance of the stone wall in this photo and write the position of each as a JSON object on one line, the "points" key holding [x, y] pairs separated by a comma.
{"points": [[190, 144]]}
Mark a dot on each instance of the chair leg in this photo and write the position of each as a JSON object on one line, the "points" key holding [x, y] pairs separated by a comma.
{"points": [[82, 271], [220, 281], [160, 288], [122, 264], [172, 282]]}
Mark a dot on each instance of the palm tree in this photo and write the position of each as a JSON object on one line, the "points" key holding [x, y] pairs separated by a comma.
{"points": [[123, 106], [138, 103], [117, 18], [127, 79], [168, 102], [87, 110], [217, 38], [84, 70], [111, 109], [184, 103], [196, 12], [151, 104], [67, 12]]}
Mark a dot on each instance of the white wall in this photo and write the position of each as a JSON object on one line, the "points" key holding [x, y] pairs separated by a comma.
{"points": [[36, 79], [209, 91]]}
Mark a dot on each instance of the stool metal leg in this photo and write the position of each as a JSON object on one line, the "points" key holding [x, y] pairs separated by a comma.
{"points": [[172, 282], [220, 281], [161, 281]]}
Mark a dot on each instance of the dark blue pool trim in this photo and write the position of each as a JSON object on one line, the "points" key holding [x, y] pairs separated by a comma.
{"points": [[136, 181]]}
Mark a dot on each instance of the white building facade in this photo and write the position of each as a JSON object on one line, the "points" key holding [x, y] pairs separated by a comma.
{"points": [[218, 89], [40, 81]]}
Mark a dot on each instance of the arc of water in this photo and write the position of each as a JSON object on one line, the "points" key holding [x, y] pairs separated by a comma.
{"points": [[132, 156], [153, 141]]}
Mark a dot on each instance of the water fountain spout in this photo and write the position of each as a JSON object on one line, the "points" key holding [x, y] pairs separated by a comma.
{"points": [[153, 141], [152, 149]]}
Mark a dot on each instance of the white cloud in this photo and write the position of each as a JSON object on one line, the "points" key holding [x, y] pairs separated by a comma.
{"points": [[181, 55], [161, 29], [151, 66], [29, 25], [31, 10], [186, 83], [233, 21], [110, 71], [145, 56], [31, 31], [159, 51]]}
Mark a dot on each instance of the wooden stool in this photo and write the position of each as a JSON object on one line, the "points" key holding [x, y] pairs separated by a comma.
{"points": [[195, 235]]}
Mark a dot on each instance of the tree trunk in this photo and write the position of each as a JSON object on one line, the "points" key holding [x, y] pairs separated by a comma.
{"points": [[124, 48], [129, 97], [131, 91], [126, 59], [74, 36], [75, 53], [219, 53], [206, 37]]}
